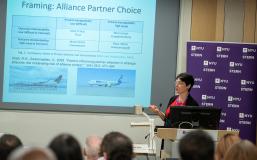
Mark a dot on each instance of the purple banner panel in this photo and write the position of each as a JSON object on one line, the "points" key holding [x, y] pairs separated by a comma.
{"points": [[225, 77]]}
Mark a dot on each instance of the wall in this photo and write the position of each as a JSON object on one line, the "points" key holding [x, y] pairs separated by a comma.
{"points": [[38, 128], [216, 20], [224, 20]]}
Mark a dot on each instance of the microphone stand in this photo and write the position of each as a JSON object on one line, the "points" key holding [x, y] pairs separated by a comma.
{"points": [[151, 146]]}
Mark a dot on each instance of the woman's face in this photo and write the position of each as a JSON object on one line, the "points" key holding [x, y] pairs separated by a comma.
{"points": [[181, 87]]}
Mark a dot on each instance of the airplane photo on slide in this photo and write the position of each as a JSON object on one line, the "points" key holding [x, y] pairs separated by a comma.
{"points": [[105, 83], [37, 79], [48, 83]]}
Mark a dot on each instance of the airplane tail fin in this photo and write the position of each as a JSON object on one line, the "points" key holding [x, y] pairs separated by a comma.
{"points": [[58, 79], [119, 80]]}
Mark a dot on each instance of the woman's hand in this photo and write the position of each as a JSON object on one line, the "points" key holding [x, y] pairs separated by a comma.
{"points": [[154, 109]]}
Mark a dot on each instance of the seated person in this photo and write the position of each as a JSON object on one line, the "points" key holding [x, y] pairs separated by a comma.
{"points": [[196, 145], [33, 153], [116, 146], [224, 144], [8, 143], [243, 150], [66, 147], [92, 147]]}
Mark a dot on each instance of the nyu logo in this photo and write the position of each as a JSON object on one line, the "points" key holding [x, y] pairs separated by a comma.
{"points": [[220, 49], [206, 63], [231, 99], [244, 115], [234, 64], [205, 97], [195, 48], [245, 82], [198, 79], [218, 81], [249, 50], [224, 114], [232, 129]]}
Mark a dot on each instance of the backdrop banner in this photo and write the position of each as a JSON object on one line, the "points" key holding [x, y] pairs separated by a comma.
{"points": [[225, 76]]}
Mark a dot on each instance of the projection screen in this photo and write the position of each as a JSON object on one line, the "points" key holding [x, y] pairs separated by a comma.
{"points": [[78, 54]]}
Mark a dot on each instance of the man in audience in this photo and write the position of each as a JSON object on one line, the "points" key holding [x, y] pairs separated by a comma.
{"points": [[196, 145], [8, 143], [92, 147], [116, 146], [66, 147]]}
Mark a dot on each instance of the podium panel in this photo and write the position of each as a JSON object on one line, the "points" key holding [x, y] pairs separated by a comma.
{"points": [[175, 134]]}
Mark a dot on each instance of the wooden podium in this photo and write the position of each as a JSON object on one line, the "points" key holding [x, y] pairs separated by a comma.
{"points": [[175, 134]]}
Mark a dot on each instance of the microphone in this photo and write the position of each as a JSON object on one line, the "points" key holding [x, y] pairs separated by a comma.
{"points": [[160, 106], [147, 135]]}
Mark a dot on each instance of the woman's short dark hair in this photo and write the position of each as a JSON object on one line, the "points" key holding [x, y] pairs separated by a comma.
{"points": [[187, 78], [66, 147], [117, 146]]}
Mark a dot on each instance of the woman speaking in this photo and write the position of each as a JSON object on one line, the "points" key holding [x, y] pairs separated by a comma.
{"points": [[184, 83]]}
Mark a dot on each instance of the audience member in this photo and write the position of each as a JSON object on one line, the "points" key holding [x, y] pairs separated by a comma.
{"points": [[116, 146], [92, 147], [243, 150], [66, 147], [33, 153], [8, 143], [224, 144], [196, 145]]}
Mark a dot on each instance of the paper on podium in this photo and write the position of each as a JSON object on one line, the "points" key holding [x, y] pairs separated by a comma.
{"points": [[142, 149], [140, 123], [182, 132]]}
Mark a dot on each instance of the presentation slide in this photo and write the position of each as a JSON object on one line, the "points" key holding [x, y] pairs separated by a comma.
{"points": [[79, 52]]}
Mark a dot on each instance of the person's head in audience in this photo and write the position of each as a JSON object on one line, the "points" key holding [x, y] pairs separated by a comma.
{"points": [[196, 145], [32, 153], [92, 147], [116, 146], [66, 147], [8, 143], [243, 150], [224, 144]]}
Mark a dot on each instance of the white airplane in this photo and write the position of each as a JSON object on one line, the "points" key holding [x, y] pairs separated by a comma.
{"points": [[47, 83], [105, 83]]}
